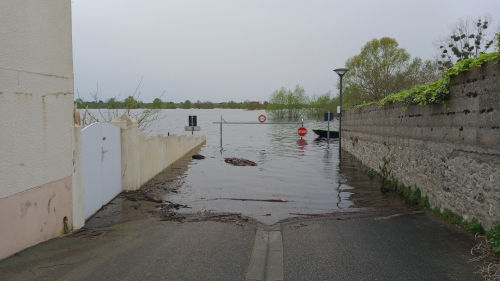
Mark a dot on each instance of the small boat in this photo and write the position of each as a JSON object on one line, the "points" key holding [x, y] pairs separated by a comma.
{"points": [[334, 134]]}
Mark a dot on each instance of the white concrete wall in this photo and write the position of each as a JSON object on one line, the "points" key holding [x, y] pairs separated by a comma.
{"points": [[144, 157], [36, 98], [36, 93], [101, 166]]}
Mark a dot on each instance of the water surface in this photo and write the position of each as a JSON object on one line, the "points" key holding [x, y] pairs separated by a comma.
{"points": [[303, 172]]}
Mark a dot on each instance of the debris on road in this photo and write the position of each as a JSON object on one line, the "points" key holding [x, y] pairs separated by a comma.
{"points": [[166, 213], [398, 215], [310, 214], [490, 261], [172, 216], [142, 196], [170, 205], [235, 218], [239, 161], [150, 200], [256, 200]]}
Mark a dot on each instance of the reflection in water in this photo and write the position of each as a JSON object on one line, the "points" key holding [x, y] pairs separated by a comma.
{"points": [[283, 139], [364, 191], [304, 172], [301, 145], [262, 156], [329, 169]]}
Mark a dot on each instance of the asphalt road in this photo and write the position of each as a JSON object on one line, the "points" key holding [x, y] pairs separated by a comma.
{"points": [[139, 250], [366, 246], [379, 247]]}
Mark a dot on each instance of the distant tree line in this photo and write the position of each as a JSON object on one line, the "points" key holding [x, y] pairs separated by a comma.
{"points": [[132, 103], [293, 104]]}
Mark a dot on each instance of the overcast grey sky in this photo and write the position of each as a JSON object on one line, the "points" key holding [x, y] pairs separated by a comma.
{"points": [[244, 50]]}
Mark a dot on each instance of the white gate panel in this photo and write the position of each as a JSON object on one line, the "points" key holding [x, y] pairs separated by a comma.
{"points": [[101, 166]]}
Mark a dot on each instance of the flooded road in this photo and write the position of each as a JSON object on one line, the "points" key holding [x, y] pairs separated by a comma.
{"points": [[334, 223], [298, 176]]}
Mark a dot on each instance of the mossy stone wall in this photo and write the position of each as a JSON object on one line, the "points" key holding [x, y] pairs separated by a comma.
{"points": [[451, 152]]}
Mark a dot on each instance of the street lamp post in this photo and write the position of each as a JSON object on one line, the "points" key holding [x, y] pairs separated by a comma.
{"points": [[340, 72]]}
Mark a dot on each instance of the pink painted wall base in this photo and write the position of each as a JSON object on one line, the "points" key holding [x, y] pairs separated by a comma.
{"points": [[35, 215]]}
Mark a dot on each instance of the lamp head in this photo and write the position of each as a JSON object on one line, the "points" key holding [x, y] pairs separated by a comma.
{"points": [[341, 71]]}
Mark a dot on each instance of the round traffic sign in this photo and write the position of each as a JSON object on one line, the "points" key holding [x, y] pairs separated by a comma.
{"points": [[302, 131], [262, 118]]}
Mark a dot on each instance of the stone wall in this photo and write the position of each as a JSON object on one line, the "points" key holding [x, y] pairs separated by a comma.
{"points": [[450, 152]]}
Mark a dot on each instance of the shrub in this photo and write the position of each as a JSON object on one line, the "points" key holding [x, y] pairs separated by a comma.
{"points": [[415, 196], [451, 217], [498, 42], [424, 202], [494, 236], [371, 173], [474, 227]]}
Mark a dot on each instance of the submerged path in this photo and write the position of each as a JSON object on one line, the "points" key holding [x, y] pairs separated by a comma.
{"points": [[357, 246]]}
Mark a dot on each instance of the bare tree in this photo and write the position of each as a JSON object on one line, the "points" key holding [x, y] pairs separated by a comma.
{"points": [[131, 107], [468, 39]]}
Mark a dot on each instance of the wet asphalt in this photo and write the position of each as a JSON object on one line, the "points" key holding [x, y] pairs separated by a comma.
{"points": [[379, 247], [139, 250], [359, 246]]}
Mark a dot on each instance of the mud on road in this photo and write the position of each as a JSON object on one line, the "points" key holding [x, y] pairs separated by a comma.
{"points": [[149, 202]]}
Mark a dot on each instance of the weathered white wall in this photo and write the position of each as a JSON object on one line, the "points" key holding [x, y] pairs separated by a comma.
{"points": [[144, 157], [101, 166], [36, 93], [36, 97], [77, 187]]}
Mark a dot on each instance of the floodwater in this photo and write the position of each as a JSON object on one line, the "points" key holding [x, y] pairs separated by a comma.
{"points": [[303, 173]]}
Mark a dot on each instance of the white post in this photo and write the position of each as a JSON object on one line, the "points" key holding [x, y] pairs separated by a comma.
{"points": [[328, 132]]}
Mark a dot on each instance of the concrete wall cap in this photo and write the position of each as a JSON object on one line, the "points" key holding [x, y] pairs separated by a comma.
{"points": [[125, 122]]}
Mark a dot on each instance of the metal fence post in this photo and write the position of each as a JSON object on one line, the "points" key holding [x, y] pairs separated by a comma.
{"points": [[221, 133]]}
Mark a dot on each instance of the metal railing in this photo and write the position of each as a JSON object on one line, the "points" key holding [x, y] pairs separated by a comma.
{"points": [[222, 121]]}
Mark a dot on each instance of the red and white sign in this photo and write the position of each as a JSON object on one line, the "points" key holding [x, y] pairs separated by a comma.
{"points": [[302, 131], [262, 118]]}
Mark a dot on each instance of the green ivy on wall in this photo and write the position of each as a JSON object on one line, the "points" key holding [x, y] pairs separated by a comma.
{"points": [[437, 91]]}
